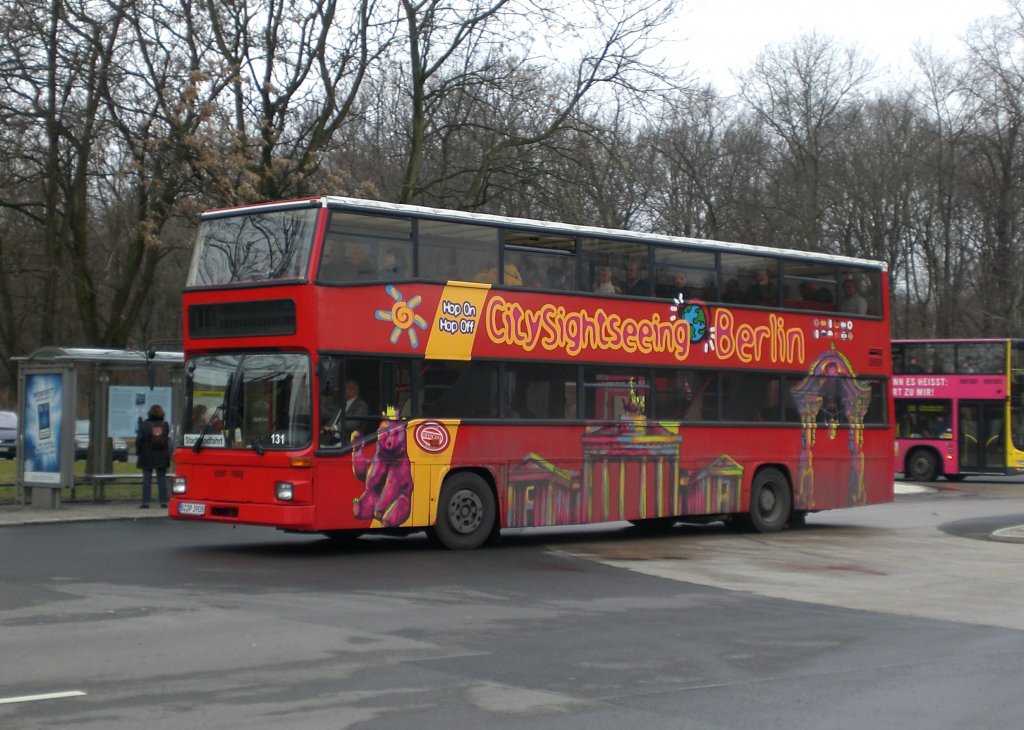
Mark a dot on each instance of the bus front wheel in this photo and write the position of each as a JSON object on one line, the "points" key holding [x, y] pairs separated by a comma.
{"points": [[465, 513], [770, 501], [922, 466]]}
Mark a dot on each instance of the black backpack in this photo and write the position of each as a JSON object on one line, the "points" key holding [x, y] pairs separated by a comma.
{"points": [[158, 436]]}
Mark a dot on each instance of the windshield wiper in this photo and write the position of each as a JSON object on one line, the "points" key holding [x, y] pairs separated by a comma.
{"points": [[198, 445]]}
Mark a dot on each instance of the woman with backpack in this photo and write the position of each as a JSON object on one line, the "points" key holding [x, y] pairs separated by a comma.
{"points": [[154, 453]]}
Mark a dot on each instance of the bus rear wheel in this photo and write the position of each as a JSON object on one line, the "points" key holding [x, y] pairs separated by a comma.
{"points": [[466, 512], [922, 466], [770, 501]]}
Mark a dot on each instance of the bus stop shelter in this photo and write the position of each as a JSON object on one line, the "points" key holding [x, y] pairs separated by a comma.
{"points": [[49, 383]]}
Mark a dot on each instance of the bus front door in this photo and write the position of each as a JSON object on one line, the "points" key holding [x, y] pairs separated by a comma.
{"points": [[981, 435]]}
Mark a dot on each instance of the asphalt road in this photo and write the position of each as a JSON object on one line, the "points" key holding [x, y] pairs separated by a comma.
{"points": [[894, 616]]}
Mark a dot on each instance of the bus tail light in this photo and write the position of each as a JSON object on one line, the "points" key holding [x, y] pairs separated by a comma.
{"points": [[180, 486], [284, 491]]}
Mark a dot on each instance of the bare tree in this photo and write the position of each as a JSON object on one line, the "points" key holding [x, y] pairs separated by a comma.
{"points": [[880, 173], [993, 85], [942, 258], [600, 175], [803, 92], [473, 52], [61, 55], [295, 71], [707, 158]]}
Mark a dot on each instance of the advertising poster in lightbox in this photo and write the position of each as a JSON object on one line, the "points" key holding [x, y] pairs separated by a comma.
{"points": [[43, 417]]}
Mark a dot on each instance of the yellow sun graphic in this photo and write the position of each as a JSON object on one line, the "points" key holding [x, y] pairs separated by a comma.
{"points": [[402, 316]]}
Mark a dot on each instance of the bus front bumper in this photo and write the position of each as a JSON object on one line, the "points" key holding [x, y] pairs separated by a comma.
{"points": [[291, 517]]}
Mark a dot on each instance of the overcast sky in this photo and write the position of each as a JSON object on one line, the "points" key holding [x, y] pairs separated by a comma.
{"points": [[715, 36]]}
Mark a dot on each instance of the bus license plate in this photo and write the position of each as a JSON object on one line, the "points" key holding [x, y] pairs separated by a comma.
{"points": [[191, 508]]}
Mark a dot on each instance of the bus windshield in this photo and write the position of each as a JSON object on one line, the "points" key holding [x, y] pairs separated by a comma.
{"points": [[268, 246], [251, 401]]}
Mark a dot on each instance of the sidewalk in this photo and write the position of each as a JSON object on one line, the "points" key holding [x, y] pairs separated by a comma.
{"points": [[77, 511]]}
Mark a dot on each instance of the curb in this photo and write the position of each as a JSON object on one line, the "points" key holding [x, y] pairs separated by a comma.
{"points": [[1008, 534], [25, 515], [906, 488]]}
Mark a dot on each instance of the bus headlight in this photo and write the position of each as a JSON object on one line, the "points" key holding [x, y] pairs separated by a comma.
{"points": [[179, 486], [284, 491]]}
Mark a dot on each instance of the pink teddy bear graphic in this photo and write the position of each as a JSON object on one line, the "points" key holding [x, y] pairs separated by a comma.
{"points": [[388, 477]]}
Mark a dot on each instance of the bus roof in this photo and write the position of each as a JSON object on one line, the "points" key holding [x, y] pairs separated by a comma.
{"points": [[382, 208]]}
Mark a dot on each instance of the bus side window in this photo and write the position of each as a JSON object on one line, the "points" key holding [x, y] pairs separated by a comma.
{"points": [[461, 390]]}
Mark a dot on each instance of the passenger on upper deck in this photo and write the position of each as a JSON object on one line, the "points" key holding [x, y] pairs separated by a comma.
{"points": [[603, 281], [393, 265], [677, 288], [813, 291], [852, 302], [558, 277], [763, 290], [635, 284], [530, 274], [359, 264], [732, 293]]}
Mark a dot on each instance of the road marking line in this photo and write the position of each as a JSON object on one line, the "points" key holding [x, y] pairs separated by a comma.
{"points": [[36, 698]]}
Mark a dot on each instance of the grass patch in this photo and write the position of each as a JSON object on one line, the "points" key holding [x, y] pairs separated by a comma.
{"points": [[83, 492]]}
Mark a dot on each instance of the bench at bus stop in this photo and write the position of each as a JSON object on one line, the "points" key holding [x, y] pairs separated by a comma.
{"points": [[99, 483]]}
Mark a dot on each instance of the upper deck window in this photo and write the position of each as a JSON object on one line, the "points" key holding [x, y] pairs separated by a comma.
{"points": [[748, 279], [366, 248], [253, 247], [686, 273], [616, 267], [947, 358], [463, 252], [543, 261]]}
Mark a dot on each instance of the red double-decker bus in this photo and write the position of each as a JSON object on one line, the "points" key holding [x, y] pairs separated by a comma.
{"points": [[355, 365], [958, 407]]}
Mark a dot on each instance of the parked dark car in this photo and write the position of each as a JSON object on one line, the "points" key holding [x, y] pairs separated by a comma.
{"points": [[82, 443], [8, 434]]}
